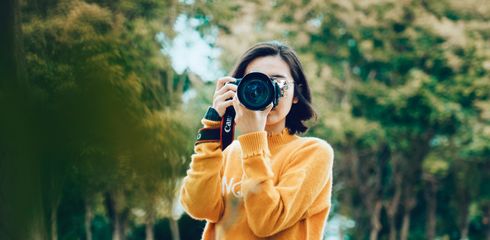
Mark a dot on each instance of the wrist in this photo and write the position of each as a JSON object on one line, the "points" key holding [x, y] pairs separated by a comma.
{"points": [[250, 128], [212, 114], [253, 143]]}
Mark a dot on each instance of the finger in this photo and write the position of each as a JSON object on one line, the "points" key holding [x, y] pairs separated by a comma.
{"points": [[236, 106], [227, 103], [236, 101], [222, 81], [225, 88], [222, 104], [227, 95]]}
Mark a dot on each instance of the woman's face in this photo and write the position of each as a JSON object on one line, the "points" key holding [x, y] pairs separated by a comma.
{"points": [[278, 70]]}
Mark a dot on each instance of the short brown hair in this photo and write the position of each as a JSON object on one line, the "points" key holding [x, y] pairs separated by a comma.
{"points": [[300, 111]]}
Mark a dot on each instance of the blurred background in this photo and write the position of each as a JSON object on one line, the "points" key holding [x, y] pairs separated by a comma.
{"points": [[100, 101]]}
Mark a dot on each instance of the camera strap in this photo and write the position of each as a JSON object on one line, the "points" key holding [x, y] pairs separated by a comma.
{"points": [[208, 135], [227, 129]]}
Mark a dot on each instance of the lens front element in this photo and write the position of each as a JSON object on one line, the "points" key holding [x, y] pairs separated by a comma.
{"points": [[256, 91]]}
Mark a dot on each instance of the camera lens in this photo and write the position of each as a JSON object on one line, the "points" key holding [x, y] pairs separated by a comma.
{"points": [[256, 91]]}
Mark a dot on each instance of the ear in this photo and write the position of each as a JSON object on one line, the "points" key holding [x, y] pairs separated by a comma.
{"points": [[295, 100]]}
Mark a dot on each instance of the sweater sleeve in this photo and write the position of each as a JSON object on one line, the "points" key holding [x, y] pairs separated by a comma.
{"points": [[200, 193], [272, 208]]}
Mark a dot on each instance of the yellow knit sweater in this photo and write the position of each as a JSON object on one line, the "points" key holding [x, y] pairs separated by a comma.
{"points": [[273, 187]]}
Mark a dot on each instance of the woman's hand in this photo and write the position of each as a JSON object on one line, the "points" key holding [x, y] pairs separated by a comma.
{"points": [[224, 94], [247, 120]]}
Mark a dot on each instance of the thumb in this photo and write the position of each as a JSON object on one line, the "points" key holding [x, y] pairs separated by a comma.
{"points": [[236, 102], [268, 108]]}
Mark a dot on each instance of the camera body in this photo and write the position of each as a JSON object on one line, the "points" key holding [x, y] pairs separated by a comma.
{"points": [[256, 91]]}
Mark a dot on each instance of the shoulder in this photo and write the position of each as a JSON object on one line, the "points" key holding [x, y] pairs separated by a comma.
{"points": [[314, 145], [312, 155], [312, 152]]}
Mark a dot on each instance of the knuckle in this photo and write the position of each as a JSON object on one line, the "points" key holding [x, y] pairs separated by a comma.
{"points": [[223, 79]]}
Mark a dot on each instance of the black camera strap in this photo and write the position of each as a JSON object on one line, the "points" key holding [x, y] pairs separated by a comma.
{"points": [[227, 129], [208, 135]]}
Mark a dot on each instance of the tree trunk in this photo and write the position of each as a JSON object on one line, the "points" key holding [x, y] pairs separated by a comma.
{"points": [[116, 233], [463, 218], [21, 208], [11, 60], [431, 199], [431, 221], [116, 213], [125, 223], [464, 232], [149, 229], [174, 228], [88, 221], [375, 222], [405, 225], [393, 232], [54, 223], [409, 204], [465, 224], [392, 210]]}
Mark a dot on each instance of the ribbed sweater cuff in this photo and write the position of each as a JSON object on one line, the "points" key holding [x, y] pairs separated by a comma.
{"points": [[210, 124], [254, 143]]}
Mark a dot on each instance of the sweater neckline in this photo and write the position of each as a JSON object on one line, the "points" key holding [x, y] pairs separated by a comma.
{"points": [[277, 139]]}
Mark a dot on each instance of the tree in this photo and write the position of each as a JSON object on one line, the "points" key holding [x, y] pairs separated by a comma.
{"points": [[97, 92], [415, 69]]}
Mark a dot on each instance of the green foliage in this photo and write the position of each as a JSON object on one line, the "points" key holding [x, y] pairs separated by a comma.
{"points": [[103, 121], [402, 90], [104, 108]]}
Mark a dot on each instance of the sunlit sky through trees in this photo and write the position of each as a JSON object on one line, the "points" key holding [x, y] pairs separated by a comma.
{"points": [[189, 50]]}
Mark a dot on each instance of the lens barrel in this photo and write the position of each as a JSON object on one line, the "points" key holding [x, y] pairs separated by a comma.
{"points": [[256, 91]]}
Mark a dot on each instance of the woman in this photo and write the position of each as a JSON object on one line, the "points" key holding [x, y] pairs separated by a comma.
{"points": [[271, 183]]}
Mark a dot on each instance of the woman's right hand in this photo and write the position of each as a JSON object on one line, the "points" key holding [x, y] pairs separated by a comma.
{"points": [[223, 95]]}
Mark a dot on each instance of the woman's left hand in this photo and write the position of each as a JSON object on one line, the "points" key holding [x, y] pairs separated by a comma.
{"points": [[247, 120]]}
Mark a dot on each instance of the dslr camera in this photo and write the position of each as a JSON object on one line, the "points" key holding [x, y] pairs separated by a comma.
{"points": [[256, 91]]}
